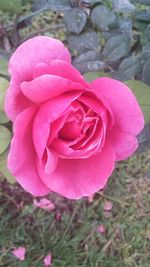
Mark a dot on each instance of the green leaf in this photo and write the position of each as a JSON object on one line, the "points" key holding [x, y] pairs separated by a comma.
{"points": [[4, 66], [102, 17], [3, 118], [142, 93], [83, 42], [3, 168], [144, 2], [54, 5], [116, 47], [145, 75], [139, 25], [123, 6], [143, 15], [131, 66], [90, 76], [5, 137], [75, 20], [3, 87], [120, 75], [14, 6]]}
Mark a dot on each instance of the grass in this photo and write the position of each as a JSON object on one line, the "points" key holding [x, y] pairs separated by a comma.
{"points": [[73, 240]]}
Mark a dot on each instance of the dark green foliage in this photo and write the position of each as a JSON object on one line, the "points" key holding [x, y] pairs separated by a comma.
{"points": [[84, 42], [116, 47], [75, 20], [102, 17]]}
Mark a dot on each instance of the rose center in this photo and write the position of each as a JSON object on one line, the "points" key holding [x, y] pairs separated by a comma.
{"points": [[70, 130]]}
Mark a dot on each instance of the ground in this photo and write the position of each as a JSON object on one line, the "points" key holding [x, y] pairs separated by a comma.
{"points": [[70, 232]]}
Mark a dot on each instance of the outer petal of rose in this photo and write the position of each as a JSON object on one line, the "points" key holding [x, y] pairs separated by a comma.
{"points": [[60, 68], [48, 86], [129, 119], [30, 53], [15, 101], [77, 178], [22, 157], [124, 144], [33, 51], [51, 163], [49, 112], [128, 115]]}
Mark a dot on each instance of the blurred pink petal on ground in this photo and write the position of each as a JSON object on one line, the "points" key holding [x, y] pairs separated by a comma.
{"points": [[101, 229], [44, 203], [91, 198], [19, 253], [48, 260], [108, 205], [58, 216]]}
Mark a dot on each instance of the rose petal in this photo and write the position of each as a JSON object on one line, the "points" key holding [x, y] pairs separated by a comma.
{"points": [[128, 115], [82, 147], [58, 216], [19, 253], [95, 104], [48, 260], [129, 119], [101, 229], [77, 178], [91, 198], [22, 63], [22, 157], [60, 68], [56, 126], [15, 101], [64, 151], [49, 112], [124, 144], [108, 205], [42, 49], [44, 203], [48, 86], [51, 161]]}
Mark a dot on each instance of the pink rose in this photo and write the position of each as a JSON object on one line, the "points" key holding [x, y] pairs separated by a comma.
{"points": [[68, 133]]}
